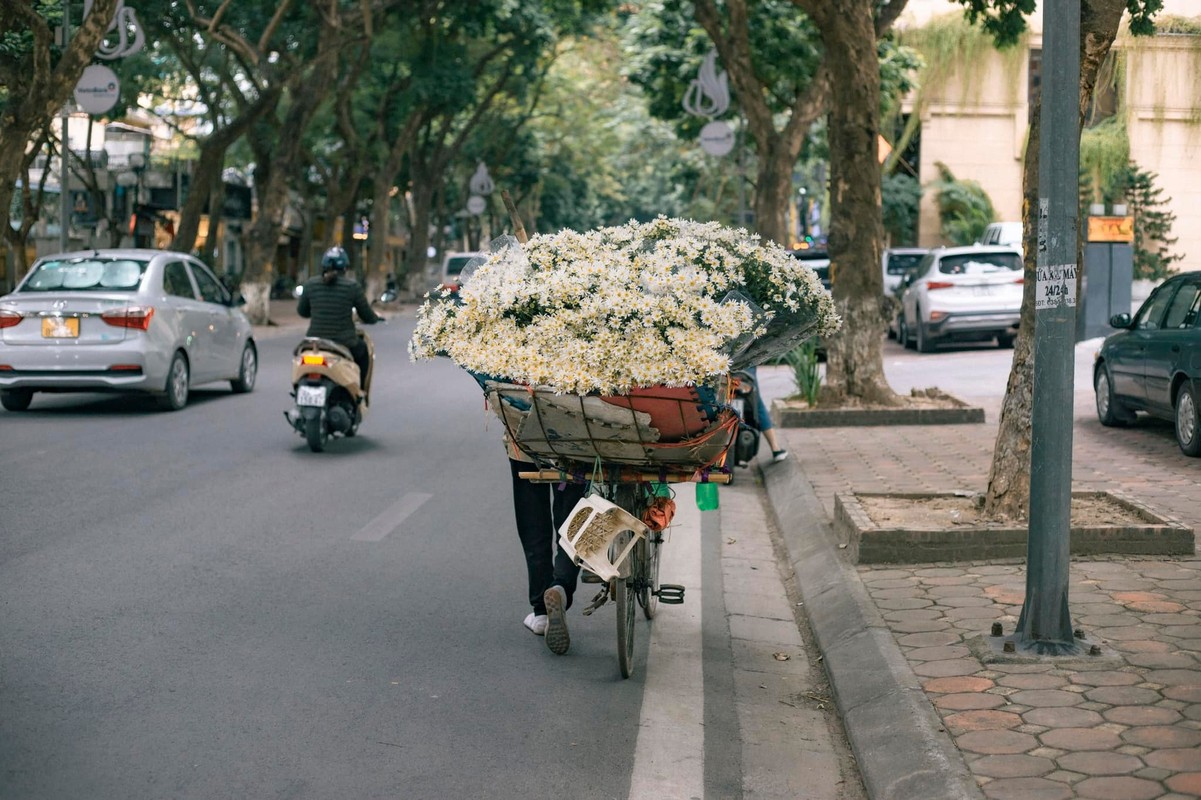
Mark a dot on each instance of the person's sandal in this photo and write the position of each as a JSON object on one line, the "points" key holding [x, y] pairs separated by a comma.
{"points": [[557, 637]]}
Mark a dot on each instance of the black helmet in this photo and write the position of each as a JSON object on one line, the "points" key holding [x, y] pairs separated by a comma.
{"points": [[335, 258]]}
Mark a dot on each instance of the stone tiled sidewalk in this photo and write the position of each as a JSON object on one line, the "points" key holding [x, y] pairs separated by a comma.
{"points": [[1122, 726]]}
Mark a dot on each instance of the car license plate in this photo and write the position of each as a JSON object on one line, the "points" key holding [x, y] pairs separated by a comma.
{"points": [[310, 395], [60, 327], [981, 291]]}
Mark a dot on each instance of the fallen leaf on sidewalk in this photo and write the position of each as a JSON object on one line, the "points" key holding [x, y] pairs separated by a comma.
{"points": [[781, 656]]}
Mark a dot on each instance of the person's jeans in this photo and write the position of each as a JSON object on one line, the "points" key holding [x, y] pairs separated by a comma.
{"points": [[540, 509]]}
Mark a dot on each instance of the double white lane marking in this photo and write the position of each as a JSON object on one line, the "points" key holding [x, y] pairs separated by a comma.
{"points": [[669, 757]]}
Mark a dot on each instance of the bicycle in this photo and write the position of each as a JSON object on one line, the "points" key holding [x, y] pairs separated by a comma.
{"points": [[635, 554]]}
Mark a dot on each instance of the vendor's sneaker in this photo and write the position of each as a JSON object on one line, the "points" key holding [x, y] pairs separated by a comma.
{"points": [[536, 623], [557, 638], [779, 455]]}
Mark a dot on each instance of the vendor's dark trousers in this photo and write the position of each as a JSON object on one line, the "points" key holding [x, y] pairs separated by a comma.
{"points": [[540, 509], [362, 358]]}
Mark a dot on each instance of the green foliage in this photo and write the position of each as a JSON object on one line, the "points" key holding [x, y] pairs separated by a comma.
{"points": [[901, 196], [964, 208], [1104, 154], [806, 373], [1005, 20], [1153, 222]]}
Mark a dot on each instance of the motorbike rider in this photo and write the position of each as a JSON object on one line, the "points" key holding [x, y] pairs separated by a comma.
{"points": [[327, 302]]}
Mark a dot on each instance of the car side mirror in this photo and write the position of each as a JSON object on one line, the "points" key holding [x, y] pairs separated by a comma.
{"points": [[1119, 321]]}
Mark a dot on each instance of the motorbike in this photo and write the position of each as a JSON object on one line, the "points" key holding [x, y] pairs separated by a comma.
{"points": [[746, 405], [330, 400]]}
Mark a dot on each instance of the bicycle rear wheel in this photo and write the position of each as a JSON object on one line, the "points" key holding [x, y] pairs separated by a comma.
{"points": [[648, 589], [625, 596]]}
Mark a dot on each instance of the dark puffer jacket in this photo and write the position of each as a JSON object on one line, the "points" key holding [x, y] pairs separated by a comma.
{"points": [[328, 307]]}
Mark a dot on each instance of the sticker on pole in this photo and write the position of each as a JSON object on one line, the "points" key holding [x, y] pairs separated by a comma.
{"points": [[1055, 287]]}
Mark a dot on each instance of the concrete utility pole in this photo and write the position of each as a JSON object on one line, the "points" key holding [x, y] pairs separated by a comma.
{"points": [[1045, 624], [64, 207]]}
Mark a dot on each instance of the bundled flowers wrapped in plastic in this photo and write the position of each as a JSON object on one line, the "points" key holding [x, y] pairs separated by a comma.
{"points": [[668, 303]]}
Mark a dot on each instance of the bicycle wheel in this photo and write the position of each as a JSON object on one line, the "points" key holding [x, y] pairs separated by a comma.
{"points": [[625, 596]]}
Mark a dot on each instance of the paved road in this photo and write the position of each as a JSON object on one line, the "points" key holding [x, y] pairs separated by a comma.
{"points": [[195, 606]]}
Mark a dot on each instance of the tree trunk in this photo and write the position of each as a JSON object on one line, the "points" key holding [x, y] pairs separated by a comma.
{"points": [[42, 90], [1008, 493], [773, 188], [855, 366]]}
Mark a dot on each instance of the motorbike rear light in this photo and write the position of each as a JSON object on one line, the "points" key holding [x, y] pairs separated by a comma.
{"points": [[9, 319], [932, 285], [312, 360], [314, 376], [135, 317]]}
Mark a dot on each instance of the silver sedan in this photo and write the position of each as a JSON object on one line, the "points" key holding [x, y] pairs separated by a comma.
{"points": [[147, 321]]}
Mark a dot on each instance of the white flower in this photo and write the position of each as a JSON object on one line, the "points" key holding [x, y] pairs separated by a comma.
{"points": [[639, 304]]}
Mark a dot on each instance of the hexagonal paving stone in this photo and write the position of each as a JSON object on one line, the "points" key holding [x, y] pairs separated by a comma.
{"points": [[1035, 681], [1142, 715], [969, 701], [1026, 789], [1012, 766], [1062, 717], [1185, 694], [1080, 739], [1105, 678], [1163, 660], [1163, 736], [1123, 695], [1095, 763], [937, 653], [996, 742], [981, 720], [946, 669], [1043, 698], [1187, 783], [1122, 788], [1179, 760], [929, 639], [957, 684], [1175, 677]]}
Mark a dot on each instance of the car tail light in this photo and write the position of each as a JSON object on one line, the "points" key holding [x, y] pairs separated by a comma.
{"points": [[9, 319], [932, 285], [6, 367], [136, 317], [935, 316], [126, 368], [312, 360], [1020, 280]]}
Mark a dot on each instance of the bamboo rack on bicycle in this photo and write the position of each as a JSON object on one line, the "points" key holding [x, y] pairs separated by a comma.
{"points": [[653, 434]]}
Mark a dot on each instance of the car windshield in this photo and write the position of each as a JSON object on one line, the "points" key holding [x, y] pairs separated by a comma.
{"points": [[979, 263], [900, 263], [85, 275], [455, 264]]}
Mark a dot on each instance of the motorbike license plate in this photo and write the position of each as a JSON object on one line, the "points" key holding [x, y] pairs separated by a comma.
{"points": [[60, 327], [310, 396]]}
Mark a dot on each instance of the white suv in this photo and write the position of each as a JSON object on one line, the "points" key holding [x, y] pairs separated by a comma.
{"points": [[962, 293], [1002, 233]]}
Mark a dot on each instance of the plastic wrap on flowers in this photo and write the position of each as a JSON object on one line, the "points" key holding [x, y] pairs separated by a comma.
{"points": [[784, 332]]}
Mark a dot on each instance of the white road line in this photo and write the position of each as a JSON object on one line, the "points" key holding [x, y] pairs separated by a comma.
{"points": [[385, 523], [669, 758]]}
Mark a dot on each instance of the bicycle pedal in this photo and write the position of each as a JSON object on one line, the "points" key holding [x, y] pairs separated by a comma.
{"points": [[671, 594], [589, 577], [601, 598]]}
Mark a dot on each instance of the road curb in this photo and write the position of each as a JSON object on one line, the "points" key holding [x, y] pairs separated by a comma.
{"points": [[903, 751]]}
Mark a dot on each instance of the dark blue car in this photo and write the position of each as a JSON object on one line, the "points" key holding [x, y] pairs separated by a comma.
{"points": [[1154, 363]]}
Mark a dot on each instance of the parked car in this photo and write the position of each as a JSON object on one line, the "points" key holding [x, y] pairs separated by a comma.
{"points": [[1002, 233], [816, 260], [1153, 364], [896, 261], [122, 321], [452, 268], [962, 294]]}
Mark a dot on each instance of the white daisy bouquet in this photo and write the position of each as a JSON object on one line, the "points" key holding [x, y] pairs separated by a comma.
{"points": [[670, 302]]}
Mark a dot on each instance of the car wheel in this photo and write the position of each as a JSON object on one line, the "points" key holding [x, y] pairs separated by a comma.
{"points": [[1188, 420], [16, 399], [175, 393], [1110, 410], [924, 343], [248, 371], [903, 334], [1005, 340]]}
